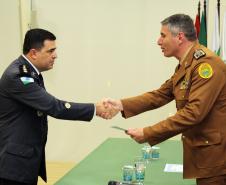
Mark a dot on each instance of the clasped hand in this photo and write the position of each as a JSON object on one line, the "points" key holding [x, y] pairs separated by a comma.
{"points": [[108, 108]]}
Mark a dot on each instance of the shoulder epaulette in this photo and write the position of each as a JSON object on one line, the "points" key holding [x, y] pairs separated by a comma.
{"points": [[24, 70], [199, 53]]}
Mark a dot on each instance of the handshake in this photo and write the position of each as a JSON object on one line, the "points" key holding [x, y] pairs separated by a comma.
{"points": [[108, 108]]}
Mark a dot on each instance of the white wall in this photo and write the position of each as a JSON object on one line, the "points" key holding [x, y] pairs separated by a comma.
{"points": [[10, 41]]}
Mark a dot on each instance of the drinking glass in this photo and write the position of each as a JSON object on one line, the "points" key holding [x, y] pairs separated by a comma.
{"points": [[127, 173], [155, 152], [139, 165], [146, 153]]}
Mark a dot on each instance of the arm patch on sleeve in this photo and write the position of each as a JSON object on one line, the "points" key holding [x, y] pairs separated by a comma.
{"points": [[26, 80], [205, 70]]}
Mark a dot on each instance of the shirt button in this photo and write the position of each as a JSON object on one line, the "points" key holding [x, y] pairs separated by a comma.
{"points": [[206, 142], [39, 113]]}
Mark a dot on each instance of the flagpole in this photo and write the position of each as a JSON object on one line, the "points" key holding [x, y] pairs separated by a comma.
{"points": [[199, 8], [205, 18], [205, 14], [224, 38], [218, 8]]}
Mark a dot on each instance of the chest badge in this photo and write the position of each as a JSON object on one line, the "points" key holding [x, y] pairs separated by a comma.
{"points": [[184, 84], [205, 70]]}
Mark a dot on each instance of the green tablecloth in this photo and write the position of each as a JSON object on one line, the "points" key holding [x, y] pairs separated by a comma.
{"points": [[105, 163]]}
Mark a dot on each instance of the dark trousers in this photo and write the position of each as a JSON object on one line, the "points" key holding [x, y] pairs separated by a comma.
{"points": [[9, 182], [219, 180]]}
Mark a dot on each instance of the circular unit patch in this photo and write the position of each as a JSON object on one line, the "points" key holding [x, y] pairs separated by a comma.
{"points": [[205, 70]]}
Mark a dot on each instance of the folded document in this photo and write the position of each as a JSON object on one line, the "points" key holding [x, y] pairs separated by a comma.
{"points": [[178, 168]]}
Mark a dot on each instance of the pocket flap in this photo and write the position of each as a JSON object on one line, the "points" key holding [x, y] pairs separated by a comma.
{"points": [[20, 150], [206, 139]]}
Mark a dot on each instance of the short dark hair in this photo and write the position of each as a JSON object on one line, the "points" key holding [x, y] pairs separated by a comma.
{"points": [[34, 39], [181, 23]]}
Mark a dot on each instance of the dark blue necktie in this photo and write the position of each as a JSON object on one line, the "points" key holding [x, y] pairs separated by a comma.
{"points": [[41, 81]]}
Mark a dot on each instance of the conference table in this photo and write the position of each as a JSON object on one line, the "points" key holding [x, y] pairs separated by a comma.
{"points": [[106, 161]]}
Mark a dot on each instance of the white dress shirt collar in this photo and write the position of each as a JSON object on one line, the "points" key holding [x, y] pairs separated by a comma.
{"points": [[31, 64]]}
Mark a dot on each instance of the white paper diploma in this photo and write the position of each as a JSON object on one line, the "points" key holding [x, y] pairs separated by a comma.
{"points": [[178, 168]]}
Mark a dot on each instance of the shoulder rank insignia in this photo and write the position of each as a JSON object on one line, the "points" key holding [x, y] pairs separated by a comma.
{"points": [[199, 53], [205, 70], [24, 70]]}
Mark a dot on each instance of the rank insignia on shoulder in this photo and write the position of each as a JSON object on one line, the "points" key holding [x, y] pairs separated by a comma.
{"points": [[199, 53], [205, 70], [24, 70], [26, 80]]}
